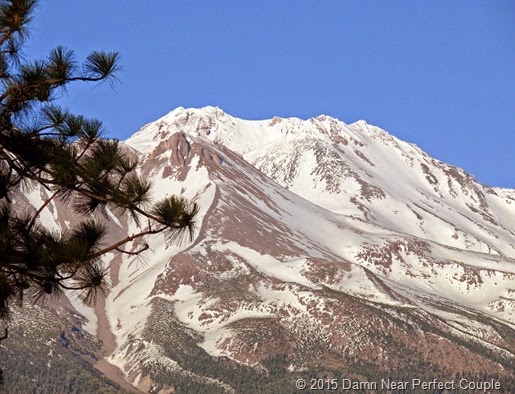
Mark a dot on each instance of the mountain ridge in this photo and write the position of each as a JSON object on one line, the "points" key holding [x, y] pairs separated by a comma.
{"points": [[203, 123]]}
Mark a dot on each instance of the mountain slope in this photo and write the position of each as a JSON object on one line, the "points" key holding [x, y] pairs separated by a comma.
{"points": [[268, 264], [394, 197], [323, 249]]}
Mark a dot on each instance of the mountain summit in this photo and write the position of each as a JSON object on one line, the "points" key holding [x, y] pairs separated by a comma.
{"points": [[322, 249]]}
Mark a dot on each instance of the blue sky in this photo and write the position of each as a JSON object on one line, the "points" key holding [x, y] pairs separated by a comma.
{"points": [[440, 74]]}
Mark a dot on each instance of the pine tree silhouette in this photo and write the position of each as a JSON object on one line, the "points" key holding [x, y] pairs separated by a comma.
{"points": [[45, 146]]}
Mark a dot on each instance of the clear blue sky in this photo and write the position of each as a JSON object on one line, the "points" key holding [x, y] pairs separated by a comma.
{"points": [[440, 74]]}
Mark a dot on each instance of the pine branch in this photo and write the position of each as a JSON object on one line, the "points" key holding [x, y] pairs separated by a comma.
{"points": [[24, 173], [66, 155], [6, 36], [38, 212], [127, 239], [145, 247]]}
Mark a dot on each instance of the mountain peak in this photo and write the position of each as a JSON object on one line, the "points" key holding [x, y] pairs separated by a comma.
{"points": [[202, 112], [358, 170], [213, 124]]}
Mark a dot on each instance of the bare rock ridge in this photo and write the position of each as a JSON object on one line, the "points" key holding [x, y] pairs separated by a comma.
{"points": [[322, 248]]}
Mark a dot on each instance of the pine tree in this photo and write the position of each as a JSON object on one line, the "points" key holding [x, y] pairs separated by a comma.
{"points": [[43, 145]]}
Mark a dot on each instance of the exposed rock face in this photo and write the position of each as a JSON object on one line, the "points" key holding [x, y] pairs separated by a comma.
{"points": [[322, 247]]}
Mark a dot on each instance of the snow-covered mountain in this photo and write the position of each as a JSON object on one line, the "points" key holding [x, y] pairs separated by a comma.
{"points": [[321, 248]]}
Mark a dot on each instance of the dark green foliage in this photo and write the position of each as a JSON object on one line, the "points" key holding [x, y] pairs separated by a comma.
{"points": [[49, 353], [199, 372], [43, 146], [177, 213]]}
